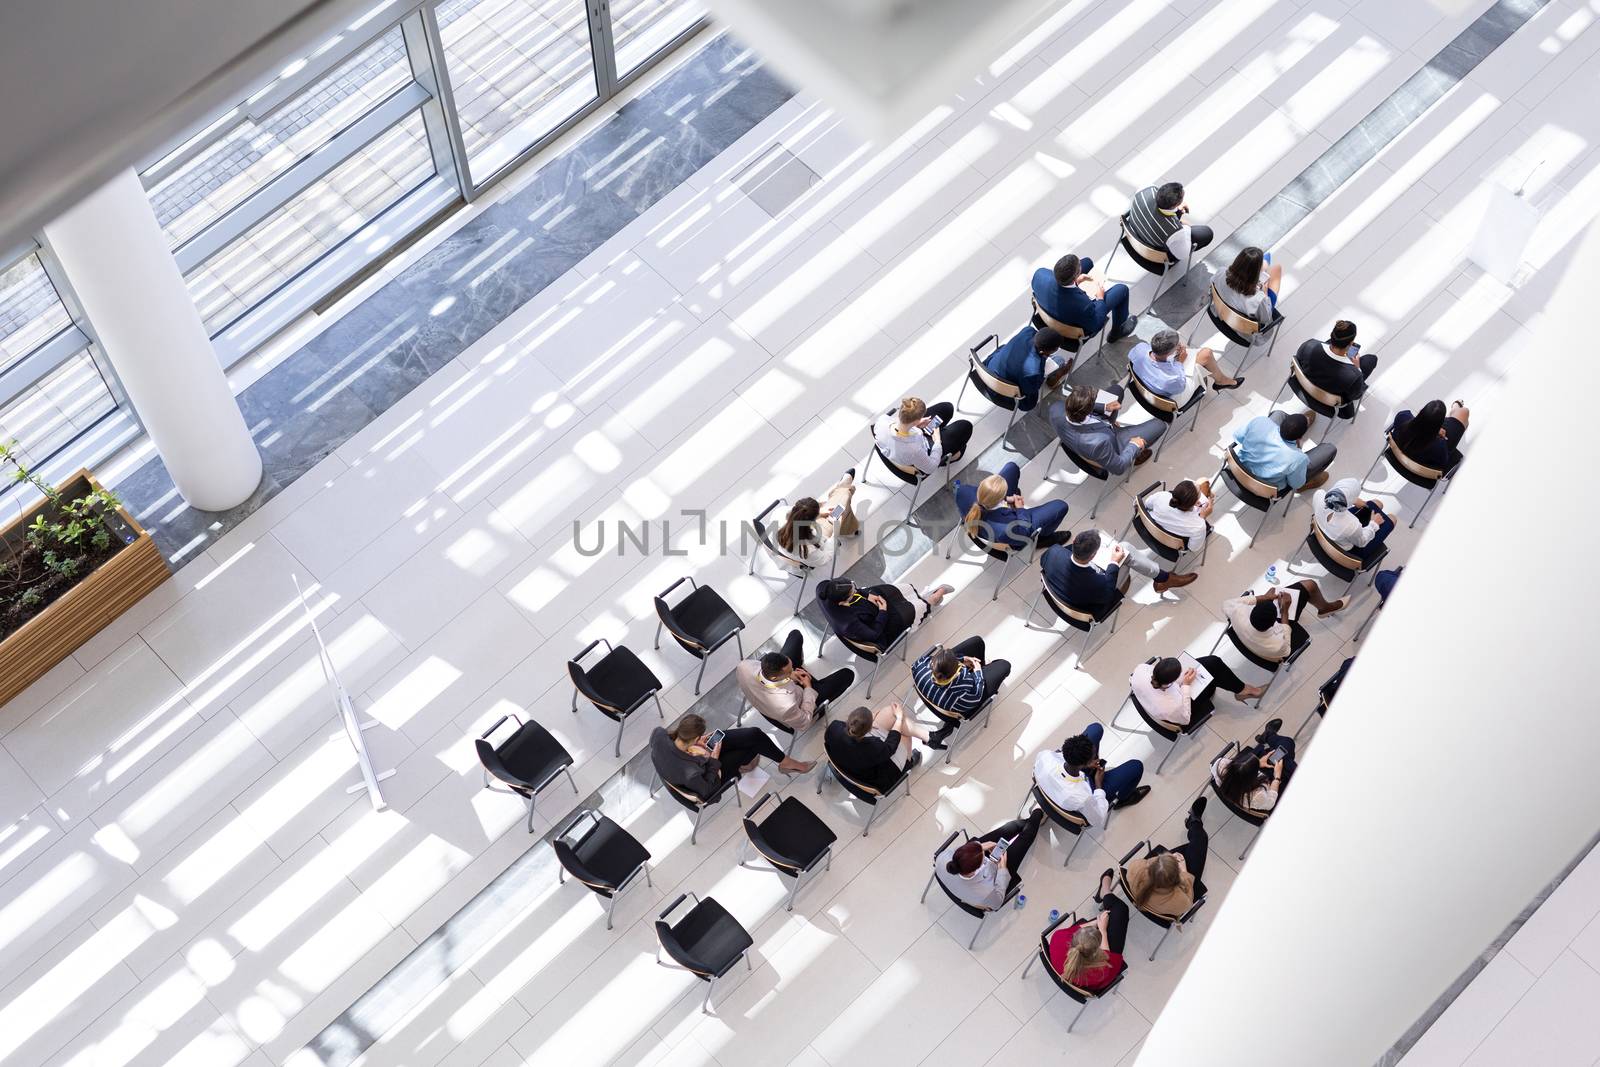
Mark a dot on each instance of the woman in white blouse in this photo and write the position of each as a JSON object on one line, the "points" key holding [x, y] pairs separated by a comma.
{"points": [[807, 533], [1172, 693]]}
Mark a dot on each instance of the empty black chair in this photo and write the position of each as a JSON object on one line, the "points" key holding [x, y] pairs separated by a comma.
{"points": [[1340, 562], [971, 909], [1076, 618], [601, 855], [1254, 818], [527, 761], [862, 791], [701, 623], [1081, 996], [1169, 731], [1238, 329], [706, 942], [1252, 491], [618, 685], [792, 839], [1071, 821], [1420, 475], [697, 804], [996, 390], [1166, 922], [1169, 546]]}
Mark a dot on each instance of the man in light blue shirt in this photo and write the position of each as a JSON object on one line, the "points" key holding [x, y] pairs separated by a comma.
{"points": [[1163, 366], [1268, 447]]}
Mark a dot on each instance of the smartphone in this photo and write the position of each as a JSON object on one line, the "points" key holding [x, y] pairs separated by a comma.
{"points": [[716, 739], [936, 422], [1275, 757]]}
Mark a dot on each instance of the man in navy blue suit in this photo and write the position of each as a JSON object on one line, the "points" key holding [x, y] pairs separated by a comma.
{"points": [[1021, 361], [1070, 295]]}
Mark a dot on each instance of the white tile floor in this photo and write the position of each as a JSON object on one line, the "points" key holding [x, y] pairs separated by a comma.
{"points": [[182, 875]]}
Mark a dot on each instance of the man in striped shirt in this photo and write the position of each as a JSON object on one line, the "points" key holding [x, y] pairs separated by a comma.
{"points": [[957, 680], [1156, 218]]}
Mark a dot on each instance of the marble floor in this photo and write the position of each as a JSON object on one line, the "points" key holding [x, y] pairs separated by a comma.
{"points": [[183, 877]]}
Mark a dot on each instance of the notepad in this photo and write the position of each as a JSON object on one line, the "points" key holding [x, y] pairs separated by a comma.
{"points": [[1103, 398], [1202, 677]]}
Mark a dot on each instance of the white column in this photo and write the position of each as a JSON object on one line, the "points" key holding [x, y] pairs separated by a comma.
{"points": [[121, 269], [1455, 774]]}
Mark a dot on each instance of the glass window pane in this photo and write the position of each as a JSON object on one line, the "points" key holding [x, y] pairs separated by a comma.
{"points": [[30, 311], [518, 69], [64, 403], [293, 238], [253, 151], [641, 28]]}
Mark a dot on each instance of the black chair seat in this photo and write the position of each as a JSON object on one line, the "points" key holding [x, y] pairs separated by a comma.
{"points": [[710, 938], [705, 616], [622, 678], [533, 756], [605, 857], [792, 836]]}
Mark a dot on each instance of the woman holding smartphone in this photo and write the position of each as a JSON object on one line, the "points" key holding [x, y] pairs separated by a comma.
{"points": [[981, 870], [688, 757], [1254, 779]]}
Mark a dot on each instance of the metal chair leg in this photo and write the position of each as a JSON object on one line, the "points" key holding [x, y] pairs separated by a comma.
{"points": [[659, 625], [701, 674], [874, 679], [698, 813], [611, 907], [1159, 943], [1253, 838], [1296, 735], [873, 814], [1081, 1009], [1175, 743], [573, 782], [1031, 961], [1367, 621], [622, 723], [1005, 437], [705, 1007], [574, 701], [530, 815], [1415, 518], [1075, 839], [973, 943], [965, 381]]}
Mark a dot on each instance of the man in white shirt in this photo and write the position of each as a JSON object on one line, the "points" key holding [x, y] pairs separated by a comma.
{"points": [[1355, 525], [922, 437], [1183, 511], [1075, 778]]}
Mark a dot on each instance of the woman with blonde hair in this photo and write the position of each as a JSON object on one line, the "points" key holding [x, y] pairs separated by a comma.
{"points": [[1168, 882], [921, 436], [1089, 954], [807, 532], [993, 511]]}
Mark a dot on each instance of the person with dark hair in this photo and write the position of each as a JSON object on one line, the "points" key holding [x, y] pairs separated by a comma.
{"points": [[807, 532], [1166, 689], [957, 679], [1254, 778], [1162, 366], [1184, 510], [873, 748], [994, 511], [1432, 437], [1269, 623], [980, 871], [1358, 526], [1090, 430], [1166, 881], [1158, 217], [876, 614], [1250, 287], [779, 687], [1337, 365], [1268, 447], [1089, 954], [1022, 361], [1075, 778], [1075, 578], [921, 436], [1071, 294], [683, 755]]}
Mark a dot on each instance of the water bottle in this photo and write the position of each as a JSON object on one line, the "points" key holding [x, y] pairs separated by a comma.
{"points": [[1272, 574], [1021, 901], [1055, 914]]}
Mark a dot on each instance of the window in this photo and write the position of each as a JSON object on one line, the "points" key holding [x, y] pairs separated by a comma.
{"points": [[30, 311], [642, 28], [518, 70], [48, 416]]}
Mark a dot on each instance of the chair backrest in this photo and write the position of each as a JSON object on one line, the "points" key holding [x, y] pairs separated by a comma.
{"points": [[1153, 531], [680, 955], [1309, 388], [567, 855], [1146, 395], [580, 680], [1072, 821], [684, 797], [1260, 661], [1406, 463], [1247, 481], [1239, 327], [859, 788], [1077, 617], [669, 619], [764, 845], [861, 648], [1087, 466], [1168, 730], [1152, 259], [766, 533], [492, 763], [1333, 552], [1071, 333], [994, 384]]}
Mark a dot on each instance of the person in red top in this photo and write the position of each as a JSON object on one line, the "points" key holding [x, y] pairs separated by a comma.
{"points": [[1089, 954]]}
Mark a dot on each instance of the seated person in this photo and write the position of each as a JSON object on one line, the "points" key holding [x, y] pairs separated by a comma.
{"points": [[921, 437], [1162, 366], [1384, 582], [1158, 217], [1091, 431], [682, 755], [1337, 365], [1358, 526], [1022, 361], [1268, 448], [1184, 510], [995, 511], [1250, 287], [1075, 778], [1075, 579], [874, 748], [1072, 295], [957, 680], [1165, 689], [807, 532], [980, 871], [1268, 624], [1166, 883], [876, 614], [1432, 436], [1254, 778], [1089, 954], [779, 687]]}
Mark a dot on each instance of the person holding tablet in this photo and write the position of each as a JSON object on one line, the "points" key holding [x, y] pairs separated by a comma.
{"points": [[1174, 690], [981, 870]]}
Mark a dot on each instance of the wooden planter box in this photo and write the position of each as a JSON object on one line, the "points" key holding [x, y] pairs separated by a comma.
{"points": [[85, 609]]}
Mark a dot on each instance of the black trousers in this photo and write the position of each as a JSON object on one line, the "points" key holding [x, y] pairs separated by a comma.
{"points": [[828, 689], [1193, 850], [955, 433], [1024, 831], [1117, 922], [902, 613], [1222, 678], [994, 673], [742, 744]]}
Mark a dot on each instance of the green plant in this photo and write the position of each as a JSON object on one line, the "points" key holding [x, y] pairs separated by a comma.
{"points": [[68, 537]]}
